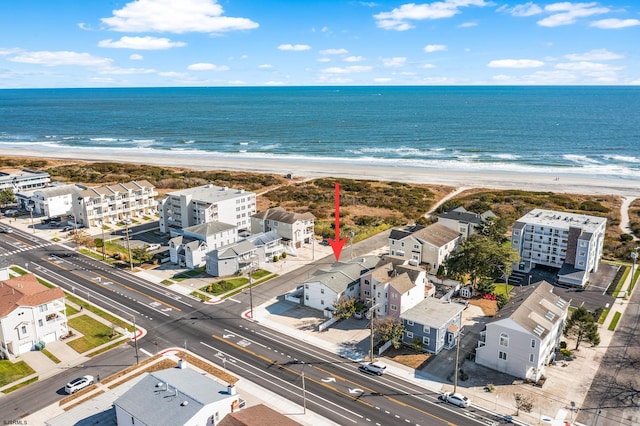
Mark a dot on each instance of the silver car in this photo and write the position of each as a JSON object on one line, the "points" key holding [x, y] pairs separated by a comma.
{"points": [[78, 384]]}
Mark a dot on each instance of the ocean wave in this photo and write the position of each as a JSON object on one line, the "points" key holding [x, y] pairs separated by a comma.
{"points": [[580, 159], [401, 151], [622, 158], [464, 163], [505, 156]]}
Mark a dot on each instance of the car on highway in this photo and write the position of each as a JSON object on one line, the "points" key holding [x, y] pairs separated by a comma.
{"points": [[455, 399], [78, 384], [374, 368], [6, 230]]}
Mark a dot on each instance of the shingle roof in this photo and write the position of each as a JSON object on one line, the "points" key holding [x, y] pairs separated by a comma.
{"points": [[437, 234], [534, 307], [257, 415], [432, 312], [460, 214], [402, 283], [209, 228], [25, 290], [279, 214]]}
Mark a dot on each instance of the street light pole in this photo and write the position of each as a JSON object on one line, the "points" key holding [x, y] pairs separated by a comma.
{"points": [[126, 227], [251, 284], [372, 312], [455, 373], [102, 227]]}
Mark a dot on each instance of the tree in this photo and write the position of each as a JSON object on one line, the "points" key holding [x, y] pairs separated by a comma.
{"points": [[388, 328], [345, 307], [81, 238], [480, 256], [7, 197], [523, 402], [493, 228], [582, 326], [140, 255]]}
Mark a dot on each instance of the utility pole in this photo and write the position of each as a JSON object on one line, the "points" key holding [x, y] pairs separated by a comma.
{"points": [[455, 373], [126, 228], [253, 256], [372, 311], [103, 242], [135, 338]]}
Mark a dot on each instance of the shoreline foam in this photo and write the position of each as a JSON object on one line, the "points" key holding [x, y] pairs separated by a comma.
{"points": [[554, 181]]}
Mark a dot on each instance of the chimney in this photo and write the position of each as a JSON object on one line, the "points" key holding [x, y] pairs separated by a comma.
{"points": [[231, 389]]}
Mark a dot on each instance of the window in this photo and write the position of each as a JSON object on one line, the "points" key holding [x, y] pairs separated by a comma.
{"points": [[322, 291], [425, 340], [366, 292], [43, 308], [550, 316], [409, 322], [306, 297], [504, 339], [583, 244], [531, 357], [394, 308], [502, 355], [582, 253], [40, 323], [426, 329], [306, 286], [322, 302], [409, 335], [538, 330], [533, 343], [394, 296]]}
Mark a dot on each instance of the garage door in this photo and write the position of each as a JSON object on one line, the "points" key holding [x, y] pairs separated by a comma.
{"points": [[48, 338], [25, 347]]}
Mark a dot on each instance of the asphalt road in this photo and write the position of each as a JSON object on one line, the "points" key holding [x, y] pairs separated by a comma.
{"points": [[334, 387]]}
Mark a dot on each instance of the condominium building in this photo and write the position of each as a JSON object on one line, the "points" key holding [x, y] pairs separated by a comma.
{"points": [[568, 241], [204, 204], [23, 179], [114, 203]]}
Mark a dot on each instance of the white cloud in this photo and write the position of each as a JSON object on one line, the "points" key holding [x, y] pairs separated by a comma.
{"points": [[294, 47], [237, 82], [399, 18], [398, 61], [274, 83], [430, 48], [594, 55], [382, 79], [6, 52], [347, 70], [614, 24], [52, 59], [334, 52], [354, 59], [265, 66], [207, 67], [324, 59], [136, 57], [174, 74], [141, 43], [175, 17], [566, 13], [586, 66], [515, 63], [468, 24], [428, 66], [127, 71], [527, 9]]}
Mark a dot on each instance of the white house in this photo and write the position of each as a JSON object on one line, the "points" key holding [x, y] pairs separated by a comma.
{"points": [[426, 245], [29, 313], [207, 203], [19, 180], [570, 242], [189, 248], [327, 286], [114, 203], [464, 221], [394, 286], [523, 336], [176, 396], [296, 229], [51, 201]]}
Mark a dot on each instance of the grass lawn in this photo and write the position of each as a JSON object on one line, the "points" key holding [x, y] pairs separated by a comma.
{"points": [[95, 333], [260, 273], [71, 310], [500, 289], [10, 371], [51, 356], [223, 286]]}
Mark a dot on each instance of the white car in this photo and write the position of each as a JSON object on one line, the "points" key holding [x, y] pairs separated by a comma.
{"points": [[78, 384], [153, 246], [374, 367], [10, 212], [6, 230], [456, 399]]}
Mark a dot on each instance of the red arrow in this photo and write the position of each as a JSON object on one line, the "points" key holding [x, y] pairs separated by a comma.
{"points": [[337, 244]]}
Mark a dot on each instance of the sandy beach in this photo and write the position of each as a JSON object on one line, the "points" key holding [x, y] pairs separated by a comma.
{"points": [[560, 182]]}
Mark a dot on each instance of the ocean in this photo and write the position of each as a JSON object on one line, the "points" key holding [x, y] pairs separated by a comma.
{"points": [[559, 130]]}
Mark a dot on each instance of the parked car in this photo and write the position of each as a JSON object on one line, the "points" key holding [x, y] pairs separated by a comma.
{"points": [[10, 212], [455, 399], [324, 242], [67, 228], [6, 230], [154, 246], [78, 384], [374, 368], [360, 314]]}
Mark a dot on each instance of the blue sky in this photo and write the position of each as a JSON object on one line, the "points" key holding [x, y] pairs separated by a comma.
{"points": [[141, 43]]}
